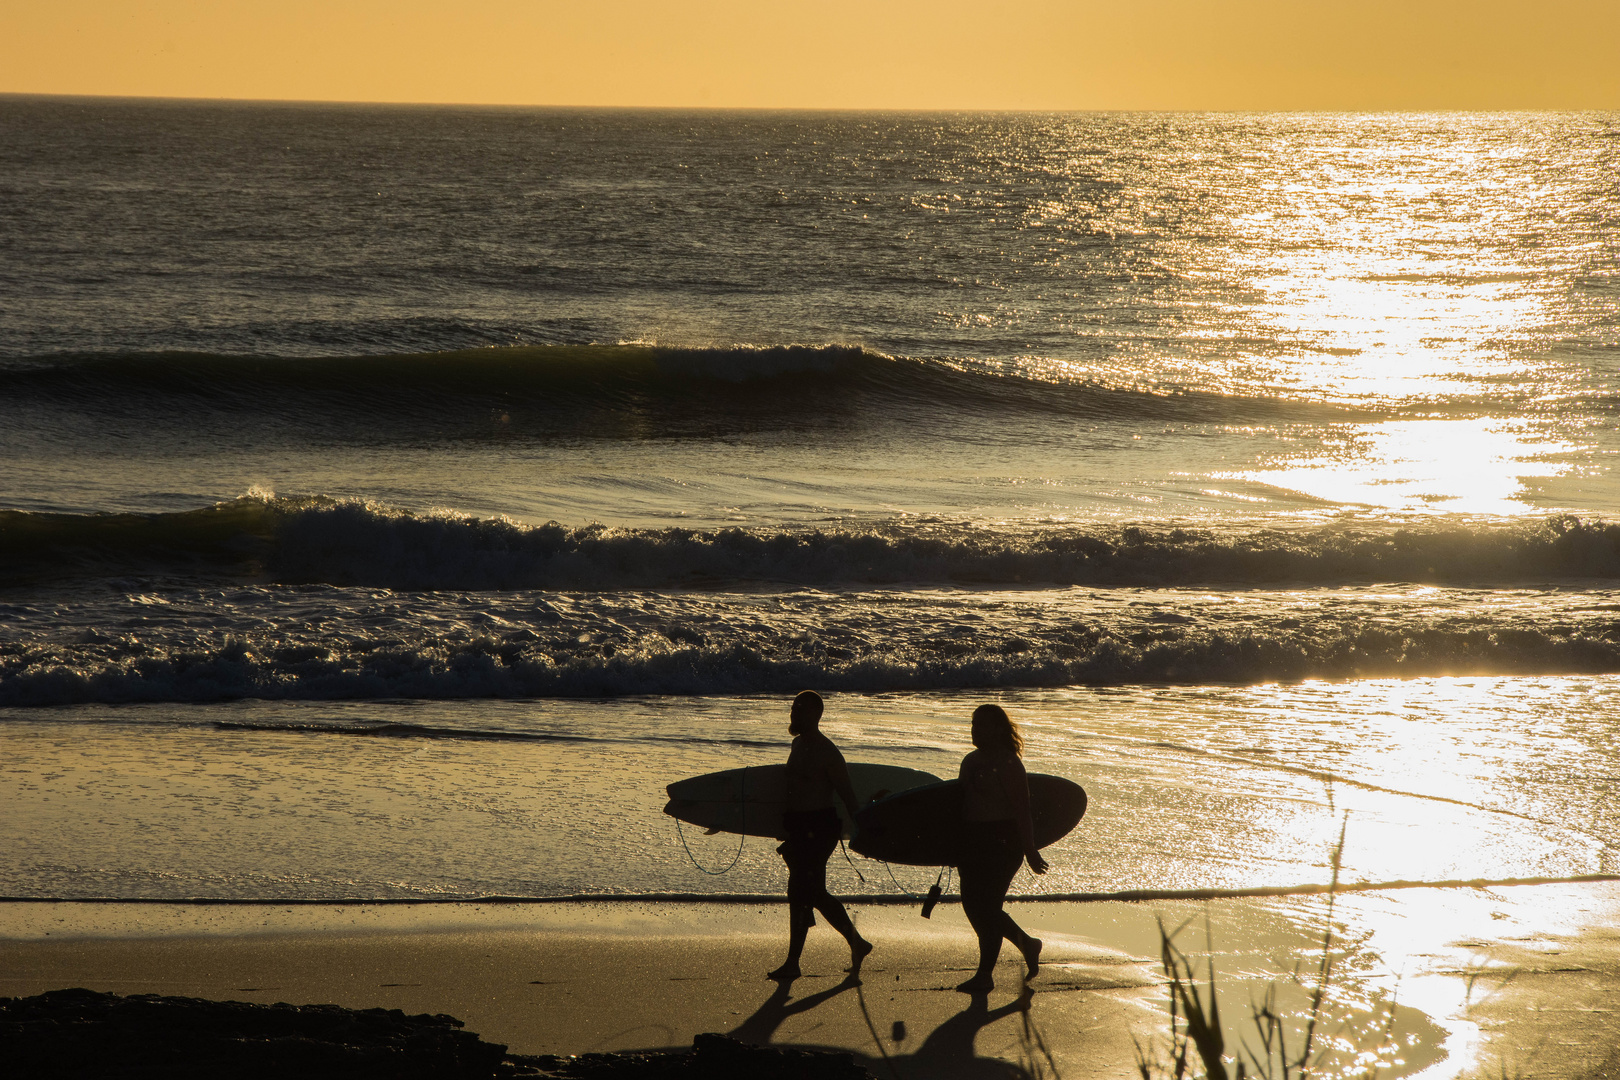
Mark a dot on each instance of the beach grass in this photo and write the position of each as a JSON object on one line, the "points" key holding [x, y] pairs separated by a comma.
{"points": [[1202, 1047]]}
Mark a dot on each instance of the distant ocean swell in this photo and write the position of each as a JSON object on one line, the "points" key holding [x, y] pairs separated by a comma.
{"points": [[319, 540], [312, 647], [542, 386]]}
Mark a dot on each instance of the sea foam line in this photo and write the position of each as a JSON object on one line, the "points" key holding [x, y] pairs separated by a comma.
{"points": [[884, 899]]}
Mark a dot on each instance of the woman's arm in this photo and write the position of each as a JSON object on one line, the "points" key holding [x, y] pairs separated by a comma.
{"points": [[1015, 781]]}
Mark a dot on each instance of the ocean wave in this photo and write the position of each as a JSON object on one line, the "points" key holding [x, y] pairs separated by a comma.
{"points": [[318, 540], [332, 644], [590, 389], [499, 669]]}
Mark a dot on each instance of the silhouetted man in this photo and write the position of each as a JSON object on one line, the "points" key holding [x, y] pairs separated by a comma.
{"points": [[815, 771]]}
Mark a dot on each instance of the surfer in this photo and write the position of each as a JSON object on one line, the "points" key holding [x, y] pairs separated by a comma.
{"points": [[998, 834], [815, 772]]}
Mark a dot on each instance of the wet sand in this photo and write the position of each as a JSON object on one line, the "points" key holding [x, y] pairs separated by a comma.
{"points": [[583, 977], [1550, 1007]]}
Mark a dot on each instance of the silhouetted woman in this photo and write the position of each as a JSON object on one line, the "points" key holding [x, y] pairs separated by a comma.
{"points": [[998, 834]]}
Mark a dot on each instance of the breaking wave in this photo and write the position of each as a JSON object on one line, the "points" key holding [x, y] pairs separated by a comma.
{"points": [[330, 644], [494, 669], [324, 541]]}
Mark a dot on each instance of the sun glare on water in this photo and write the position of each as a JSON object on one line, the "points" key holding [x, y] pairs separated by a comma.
{"points": [[1474, 467], [1403, 280]]}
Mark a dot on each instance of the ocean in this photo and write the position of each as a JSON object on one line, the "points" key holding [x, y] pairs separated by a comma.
{"points": [[394, 499]]}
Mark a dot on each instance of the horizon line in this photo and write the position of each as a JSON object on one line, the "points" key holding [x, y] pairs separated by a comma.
{"points": [[892, 109]]}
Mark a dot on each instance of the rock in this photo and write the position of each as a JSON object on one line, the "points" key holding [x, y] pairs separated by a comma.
{"points": [[80, 1033], [712, 1057]]}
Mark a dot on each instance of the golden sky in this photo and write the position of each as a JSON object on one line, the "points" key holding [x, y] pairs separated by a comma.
{"points": [[967, 54]]}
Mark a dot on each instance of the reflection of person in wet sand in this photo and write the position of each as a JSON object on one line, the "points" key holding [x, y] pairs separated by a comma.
{"points": [[815, 771], [998, 834]]}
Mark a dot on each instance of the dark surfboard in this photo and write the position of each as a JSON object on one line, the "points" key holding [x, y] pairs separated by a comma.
{"points": [[750, 800], [921, 827]]}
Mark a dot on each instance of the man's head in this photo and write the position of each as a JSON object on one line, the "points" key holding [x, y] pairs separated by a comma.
{"points": [[806, 714]]}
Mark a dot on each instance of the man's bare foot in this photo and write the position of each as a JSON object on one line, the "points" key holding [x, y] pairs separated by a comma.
{"points": [[859, 949], [979, 984], [1032, 957], [786, 973]]}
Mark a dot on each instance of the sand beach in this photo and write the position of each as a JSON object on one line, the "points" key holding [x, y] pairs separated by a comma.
{"points": [[577, 978]]}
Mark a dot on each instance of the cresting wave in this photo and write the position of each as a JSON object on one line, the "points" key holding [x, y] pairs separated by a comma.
{"points": [[323, 541], [581, 389], [331, 644]]}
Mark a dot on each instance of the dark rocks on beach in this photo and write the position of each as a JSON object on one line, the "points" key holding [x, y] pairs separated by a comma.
{"points": [[712, 1057], [81, 1033]]}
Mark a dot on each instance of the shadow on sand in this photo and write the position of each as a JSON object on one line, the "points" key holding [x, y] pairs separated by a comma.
{"points": [[948, 1052]]}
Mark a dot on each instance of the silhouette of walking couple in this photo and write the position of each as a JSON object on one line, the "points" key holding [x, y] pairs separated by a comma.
{"points": [[997, 837]]}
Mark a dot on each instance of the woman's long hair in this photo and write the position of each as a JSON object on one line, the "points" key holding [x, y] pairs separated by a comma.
{"points": [[997, 728]]}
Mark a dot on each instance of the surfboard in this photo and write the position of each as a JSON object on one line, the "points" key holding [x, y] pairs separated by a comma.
{"points": [[920, 827], [750, 800]]}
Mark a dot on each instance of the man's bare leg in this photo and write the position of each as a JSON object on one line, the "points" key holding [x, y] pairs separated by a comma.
{"points": [[839, 920], [859, 949], [798, 931]]}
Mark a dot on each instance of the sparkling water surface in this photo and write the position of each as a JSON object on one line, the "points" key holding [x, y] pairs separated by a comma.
{"points": [[1263, 466], [1446, 283], [1191, 788]]}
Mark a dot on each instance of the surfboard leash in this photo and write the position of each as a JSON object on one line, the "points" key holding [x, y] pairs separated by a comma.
{"points": [[742, 838], [897, 885], [929, 901], [851, 861], [862, 876]]}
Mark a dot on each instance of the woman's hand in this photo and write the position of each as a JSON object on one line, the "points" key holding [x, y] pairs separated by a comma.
{"points": [[1037, 864]]}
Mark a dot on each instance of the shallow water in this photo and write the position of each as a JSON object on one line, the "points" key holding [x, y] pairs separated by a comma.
{"points": [[1191, 787]]}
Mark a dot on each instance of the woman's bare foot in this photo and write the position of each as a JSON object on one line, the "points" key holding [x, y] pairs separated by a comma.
{"points": [[1032, 957], [979, 984], [786, 973], [859, 949]]}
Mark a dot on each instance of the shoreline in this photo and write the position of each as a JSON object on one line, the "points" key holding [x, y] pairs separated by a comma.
{"points": [[1130, 896], [612, 974]]}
